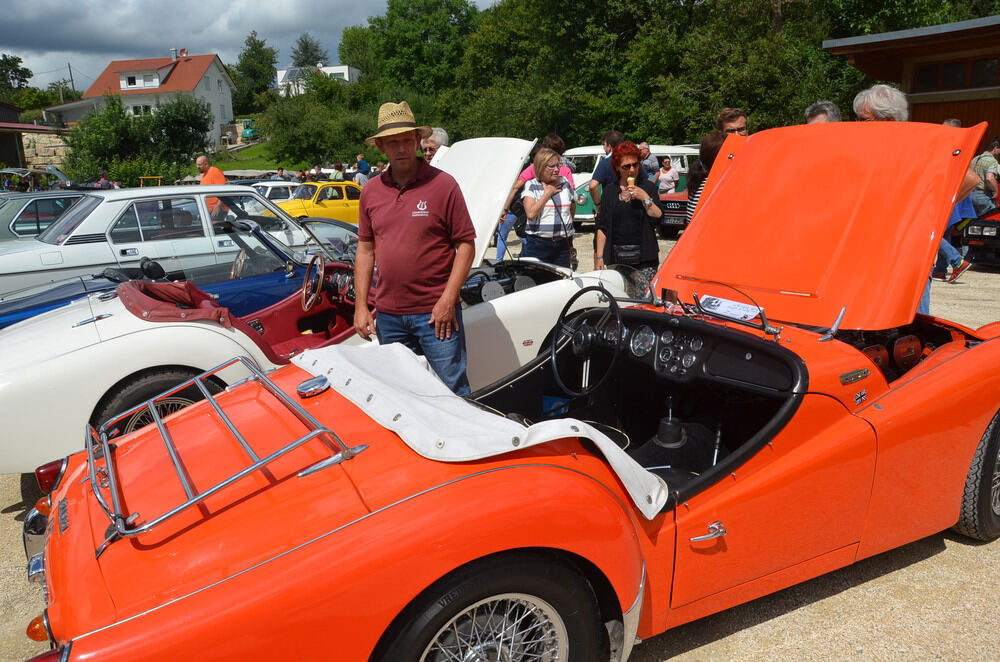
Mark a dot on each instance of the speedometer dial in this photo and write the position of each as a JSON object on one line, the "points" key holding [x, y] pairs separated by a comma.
{"points": [[643, 341]]}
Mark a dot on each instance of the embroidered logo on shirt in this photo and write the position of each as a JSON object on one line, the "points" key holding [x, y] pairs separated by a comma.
{"points": [[421, 209]]}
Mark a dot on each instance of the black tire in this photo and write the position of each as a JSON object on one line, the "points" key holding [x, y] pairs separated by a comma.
{"points": [[137, 390], [503, 587], [980, 515]]}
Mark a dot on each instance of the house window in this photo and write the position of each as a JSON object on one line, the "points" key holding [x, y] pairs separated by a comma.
{"points": [[148, 80], [141, 110], [208, 85], [130, 81], [220, 84], [956, 75]]}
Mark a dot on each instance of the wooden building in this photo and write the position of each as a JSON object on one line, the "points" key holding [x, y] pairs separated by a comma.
{"points": [[948, 70]]}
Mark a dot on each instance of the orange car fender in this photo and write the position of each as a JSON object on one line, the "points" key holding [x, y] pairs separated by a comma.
{"points": [[334, 597]]}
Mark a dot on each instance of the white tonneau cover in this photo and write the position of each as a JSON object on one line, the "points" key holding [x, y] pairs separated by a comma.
{"points": [[397, 389]]}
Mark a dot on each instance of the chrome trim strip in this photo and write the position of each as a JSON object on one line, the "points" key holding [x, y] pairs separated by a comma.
{"points": [[91, 320], [33, 533], [36, 568], [630, 620], [624, 506]]}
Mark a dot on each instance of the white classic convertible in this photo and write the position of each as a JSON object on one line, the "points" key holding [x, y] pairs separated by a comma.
{"points": [[107, 353]]}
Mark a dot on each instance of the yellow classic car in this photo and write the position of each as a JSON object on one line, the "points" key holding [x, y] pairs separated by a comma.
{"points": [[337, 200]]}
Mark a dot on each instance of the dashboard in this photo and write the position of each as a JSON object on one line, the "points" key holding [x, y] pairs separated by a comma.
{"points": [[340, 282], [682, 349]]}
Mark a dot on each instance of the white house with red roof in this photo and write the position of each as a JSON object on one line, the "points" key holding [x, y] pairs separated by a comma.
{"points": [[145, 84]]}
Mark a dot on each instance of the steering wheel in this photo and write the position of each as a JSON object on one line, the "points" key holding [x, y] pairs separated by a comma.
{"points": [[312, 284], [238, 265], [584, 338]]}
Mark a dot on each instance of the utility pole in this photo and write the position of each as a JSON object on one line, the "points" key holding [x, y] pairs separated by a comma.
{"points": [[71, 83]]}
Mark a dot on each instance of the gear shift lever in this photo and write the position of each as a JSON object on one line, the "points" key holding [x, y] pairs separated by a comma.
{"points": [[670, 433]]}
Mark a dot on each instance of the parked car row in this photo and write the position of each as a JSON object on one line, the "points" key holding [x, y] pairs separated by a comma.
{"points": [[771, 409], [118, 227]]}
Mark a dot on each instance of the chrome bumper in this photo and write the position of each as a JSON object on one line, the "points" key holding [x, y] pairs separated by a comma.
{"points": [[35, 525]]}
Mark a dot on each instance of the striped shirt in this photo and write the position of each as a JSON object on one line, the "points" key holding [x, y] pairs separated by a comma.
{"points": [[556, 220]]}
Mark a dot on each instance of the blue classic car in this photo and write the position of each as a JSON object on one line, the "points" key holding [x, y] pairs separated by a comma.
{"points": [[262, 272]]}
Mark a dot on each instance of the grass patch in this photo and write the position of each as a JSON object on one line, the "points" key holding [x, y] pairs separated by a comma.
{"points": [[255, 157]]}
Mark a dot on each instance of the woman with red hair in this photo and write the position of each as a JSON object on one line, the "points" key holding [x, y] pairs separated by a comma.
{"points": [[626, 224]]}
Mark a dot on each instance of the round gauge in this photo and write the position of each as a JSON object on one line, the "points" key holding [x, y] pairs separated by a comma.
{"points": [[667, 337], [642, 341], [665, 354], [688, 359], [696, 344], [342, 281], [610, 335]]}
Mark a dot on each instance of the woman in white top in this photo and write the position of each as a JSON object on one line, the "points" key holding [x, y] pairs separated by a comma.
{"points": [[666, 177], [550, 205]]}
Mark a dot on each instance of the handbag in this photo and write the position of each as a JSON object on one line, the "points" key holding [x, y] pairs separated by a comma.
{"points": [[521, 222], [626, 253]]}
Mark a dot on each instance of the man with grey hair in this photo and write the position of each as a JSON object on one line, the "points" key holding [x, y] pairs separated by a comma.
{"points": [[649, 162], [822, 111], [881, 103], [429, 145]]}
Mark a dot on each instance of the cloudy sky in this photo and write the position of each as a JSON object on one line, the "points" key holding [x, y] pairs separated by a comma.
{"points": [[48, 35]]}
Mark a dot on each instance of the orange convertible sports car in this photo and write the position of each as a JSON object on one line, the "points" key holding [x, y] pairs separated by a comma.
{"points": [[776, 411]]}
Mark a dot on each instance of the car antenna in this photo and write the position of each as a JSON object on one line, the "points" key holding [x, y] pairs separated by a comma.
{"points": [[836, 325]]}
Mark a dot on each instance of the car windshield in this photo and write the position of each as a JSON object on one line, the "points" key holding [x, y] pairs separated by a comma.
{"points": [[340, 240], [304, 192], [260, 257], [59, 231]]}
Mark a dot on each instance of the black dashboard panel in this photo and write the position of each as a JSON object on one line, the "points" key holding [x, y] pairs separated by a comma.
{"points": [[684, 349]]}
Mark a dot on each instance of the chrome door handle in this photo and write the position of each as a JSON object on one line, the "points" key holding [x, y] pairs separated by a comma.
{"points": [[715, 530]]}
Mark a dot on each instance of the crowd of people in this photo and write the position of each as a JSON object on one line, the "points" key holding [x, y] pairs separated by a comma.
{"points": [[418, 302]]}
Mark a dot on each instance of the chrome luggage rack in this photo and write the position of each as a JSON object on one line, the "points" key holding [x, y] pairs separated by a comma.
{"points": [[99, 447]]}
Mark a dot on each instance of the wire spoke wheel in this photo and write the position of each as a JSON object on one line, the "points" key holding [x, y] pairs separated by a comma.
{"points": [[163, 407], [995, 490], [502, 628]]}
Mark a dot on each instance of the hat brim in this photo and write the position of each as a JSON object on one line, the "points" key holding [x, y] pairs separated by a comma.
{"points": [[424, 131]]}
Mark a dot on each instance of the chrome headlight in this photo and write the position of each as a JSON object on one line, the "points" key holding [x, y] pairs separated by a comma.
{"points": [[581, 198], [974, 229], [990, 231]]}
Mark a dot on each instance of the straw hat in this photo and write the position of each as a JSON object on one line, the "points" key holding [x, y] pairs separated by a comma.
{"points": [[396, 118]]}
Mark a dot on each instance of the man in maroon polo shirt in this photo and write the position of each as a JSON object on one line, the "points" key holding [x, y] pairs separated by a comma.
{"points": [[413, 221]]}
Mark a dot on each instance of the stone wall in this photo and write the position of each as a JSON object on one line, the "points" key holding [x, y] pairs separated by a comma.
{"points": [[42, 149]]}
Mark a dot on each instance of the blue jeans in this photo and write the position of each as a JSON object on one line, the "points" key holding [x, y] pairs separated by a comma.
{"points": [[502, 232], [981, 202], [446, 357], [947, 254], [554, 252]]}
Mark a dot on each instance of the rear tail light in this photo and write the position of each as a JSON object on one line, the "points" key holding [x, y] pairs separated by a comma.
{"points": [[49, 475]]}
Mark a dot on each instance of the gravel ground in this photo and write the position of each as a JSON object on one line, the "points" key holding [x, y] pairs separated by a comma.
{"points": [[935, 599]]}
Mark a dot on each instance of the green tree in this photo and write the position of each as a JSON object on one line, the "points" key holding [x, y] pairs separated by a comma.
{"points": [[420, 42], [178, 130], [253, 74], [308, 52], [12, 75], [103, 135], [62, 92], [357, 49], [299, 128]]}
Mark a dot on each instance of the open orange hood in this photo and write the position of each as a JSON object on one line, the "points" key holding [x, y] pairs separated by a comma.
{"points": [[809, 220]]}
